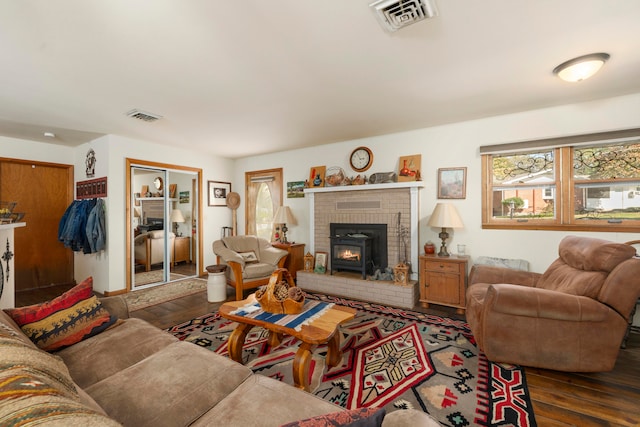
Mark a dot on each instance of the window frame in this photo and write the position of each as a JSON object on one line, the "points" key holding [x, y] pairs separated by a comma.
{"points": [[565, 183]]}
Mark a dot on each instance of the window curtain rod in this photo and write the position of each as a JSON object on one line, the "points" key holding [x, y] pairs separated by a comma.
{"points": [[564, 141], [263, 179]]}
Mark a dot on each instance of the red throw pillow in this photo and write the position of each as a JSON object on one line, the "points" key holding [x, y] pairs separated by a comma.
{"points": [[70, 318], [361, 417]]}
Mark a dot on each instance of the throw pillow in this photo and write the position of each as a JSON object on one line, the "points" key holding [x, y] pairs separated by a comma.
{"points": [[70, 318], [249, 257], [361, 417]]}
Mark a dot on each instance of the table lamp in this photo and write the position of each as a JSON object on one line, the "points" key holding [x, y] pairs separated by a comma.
{"points": [[176, 217], [445, 216], [283, 216]]}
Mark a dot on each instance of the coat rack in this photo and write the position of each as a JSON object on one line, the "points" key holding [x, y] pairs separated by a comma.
{"points": [[91, 189]]}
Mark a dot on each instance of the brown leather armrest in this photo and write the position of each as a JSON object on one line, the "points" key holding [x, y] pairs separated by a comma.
{"points": [[517, 300], [490, 274]]}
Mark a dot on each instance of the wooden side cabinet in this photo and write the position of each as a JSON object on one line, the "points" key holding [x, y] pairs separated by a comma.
{"points": [[443, 280], [181, 249], [295, 260]]}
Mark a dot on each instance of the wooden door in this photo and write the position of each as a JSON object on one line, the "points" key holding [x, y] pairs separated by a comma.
{"points": [[43, 191]]}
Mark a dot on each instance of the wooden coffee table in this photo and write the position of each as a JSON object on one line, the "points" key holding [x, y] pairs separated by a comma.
{"points": [[322, 330]]}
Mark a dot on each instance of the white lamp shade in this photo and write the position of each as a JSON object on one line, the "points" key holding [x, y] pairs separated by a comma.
{"points": [[283, 216], [176, 216], [445, 216]]}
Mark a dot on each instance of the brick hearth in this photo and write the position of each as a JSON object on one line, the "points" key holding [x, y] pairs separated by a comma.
{"points": [[349, 285]]}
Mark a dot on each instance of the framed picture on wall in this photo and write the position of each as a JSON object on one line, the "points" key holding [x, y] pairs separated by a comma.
{"points": [[295, 189], [452, 183], [218, 192]]}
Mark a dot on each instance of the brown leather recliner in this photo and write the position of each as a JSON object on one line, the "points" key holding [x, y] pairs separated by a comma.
{"points": [[572, 317]]}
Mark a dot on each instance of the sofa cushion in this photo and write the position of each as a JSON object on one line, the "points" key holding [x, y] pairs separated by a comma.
{"points": [[73, 316], [273, 403], [9, 328], [19, 359], [253, 271], [361, 417], [37, 389], [172, 387], [112, 351], [241, 243]]}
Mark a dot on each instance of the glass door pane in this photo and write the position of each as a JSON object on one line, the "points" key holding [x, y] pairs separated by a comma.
{"points": [[151, 237]]}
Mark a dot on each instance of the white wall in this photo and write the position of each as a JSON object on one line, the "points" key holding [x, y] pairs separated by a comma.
{"points": [[457, 145], [108, 268]]}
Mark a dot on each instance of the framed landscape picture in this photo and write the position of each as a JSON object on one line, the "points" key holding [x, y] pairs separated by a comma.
{"points": [[452, 183], [295, 189]]}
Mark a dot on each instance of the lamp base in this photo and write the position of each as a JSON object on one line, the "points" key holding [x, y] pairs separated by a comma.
{"points": [[443, 249], [284, 233]]}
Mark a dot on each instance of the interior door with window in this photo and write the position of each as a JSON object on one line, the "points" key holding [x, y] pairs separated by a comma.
{"points": [[264, 195]]}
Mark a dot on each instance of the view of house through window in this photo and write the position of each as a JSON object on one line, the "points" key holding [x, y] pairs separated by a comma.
{"points": [[570, 185]]}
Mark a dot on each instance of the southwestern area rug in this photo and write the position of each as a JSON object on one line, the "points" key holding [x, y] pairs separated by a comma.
{"points": [[392, 358]]}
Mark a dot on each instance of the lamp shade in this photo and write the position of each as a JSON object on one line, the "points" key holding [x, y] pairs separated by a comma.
{"points": [[283, 216], [445, 216], [176, 216]]}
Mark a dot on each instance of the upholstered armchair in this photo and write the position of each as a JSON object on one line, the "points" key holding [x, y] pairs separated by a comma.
{"points": [[573, 317], [251, 261], [149, 248]]}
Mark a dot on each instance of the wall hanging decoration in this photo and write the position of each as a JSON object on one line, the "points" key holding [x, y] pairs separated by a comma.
{"points": [[218, 192], [452, 183], [409, 168], [295, 189], [90, 163], [316, 176]]}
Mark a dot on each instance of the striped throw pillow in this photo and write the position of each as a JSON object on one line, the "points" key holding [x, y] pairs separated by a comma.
{"points": [[70, 318]]}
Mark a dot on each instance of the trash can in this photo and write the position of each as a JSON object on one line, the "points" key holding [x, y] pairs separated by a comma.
{"points": [[217, 283]]}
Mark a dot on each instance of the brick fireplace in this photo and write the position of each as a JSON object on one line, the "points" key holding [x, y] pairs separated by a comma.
{"points": [[395, 205]]}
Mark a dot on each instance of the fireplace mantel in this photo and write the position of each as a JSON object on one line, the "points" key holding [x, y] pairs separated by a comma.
{"points": [[412, 187], [390, 186]]}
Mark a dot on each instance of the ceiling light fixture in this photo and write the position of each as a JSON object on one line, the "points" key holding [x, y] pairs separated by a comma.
{"points": [[581, 68], [49, 134]]}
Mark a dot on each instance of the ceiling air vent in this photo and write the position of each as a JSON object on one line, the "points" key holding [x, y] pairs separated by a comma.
{"points": [[143, 115], [396, 14]]}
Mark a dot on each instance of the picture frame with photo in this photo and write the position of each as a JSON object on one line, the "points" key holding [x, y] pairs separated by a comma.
{"points": [[295, 189], [184, 197], [452, 183], [320, 262], [218, 192]]}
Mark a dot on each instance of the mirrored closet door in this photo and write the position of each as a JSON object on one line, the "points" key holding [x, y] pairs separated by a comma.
{"points": [[163, 236]]}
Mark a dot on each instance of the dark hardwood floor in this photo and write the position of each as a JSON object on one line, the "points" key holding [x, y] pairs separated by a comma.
{"points": [[559, 398]]}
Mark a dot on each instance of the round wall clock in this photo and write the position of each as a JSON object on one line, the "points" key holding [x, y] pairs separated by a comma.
{"points": [[361, 159]]}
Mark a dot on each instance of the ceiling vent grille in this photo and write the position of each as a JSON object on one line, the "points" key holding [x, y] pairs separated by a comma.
{"points": [[143, 115], [396, 14]]}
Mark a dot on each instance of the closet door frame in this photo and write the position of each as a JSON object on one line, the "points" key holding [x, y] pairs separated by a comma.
{"points": [[129, 212]]}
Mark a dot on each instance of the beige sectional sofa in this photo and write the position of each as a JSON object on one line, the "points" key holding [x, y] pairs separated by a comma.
{"points": [[135, 374]]}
